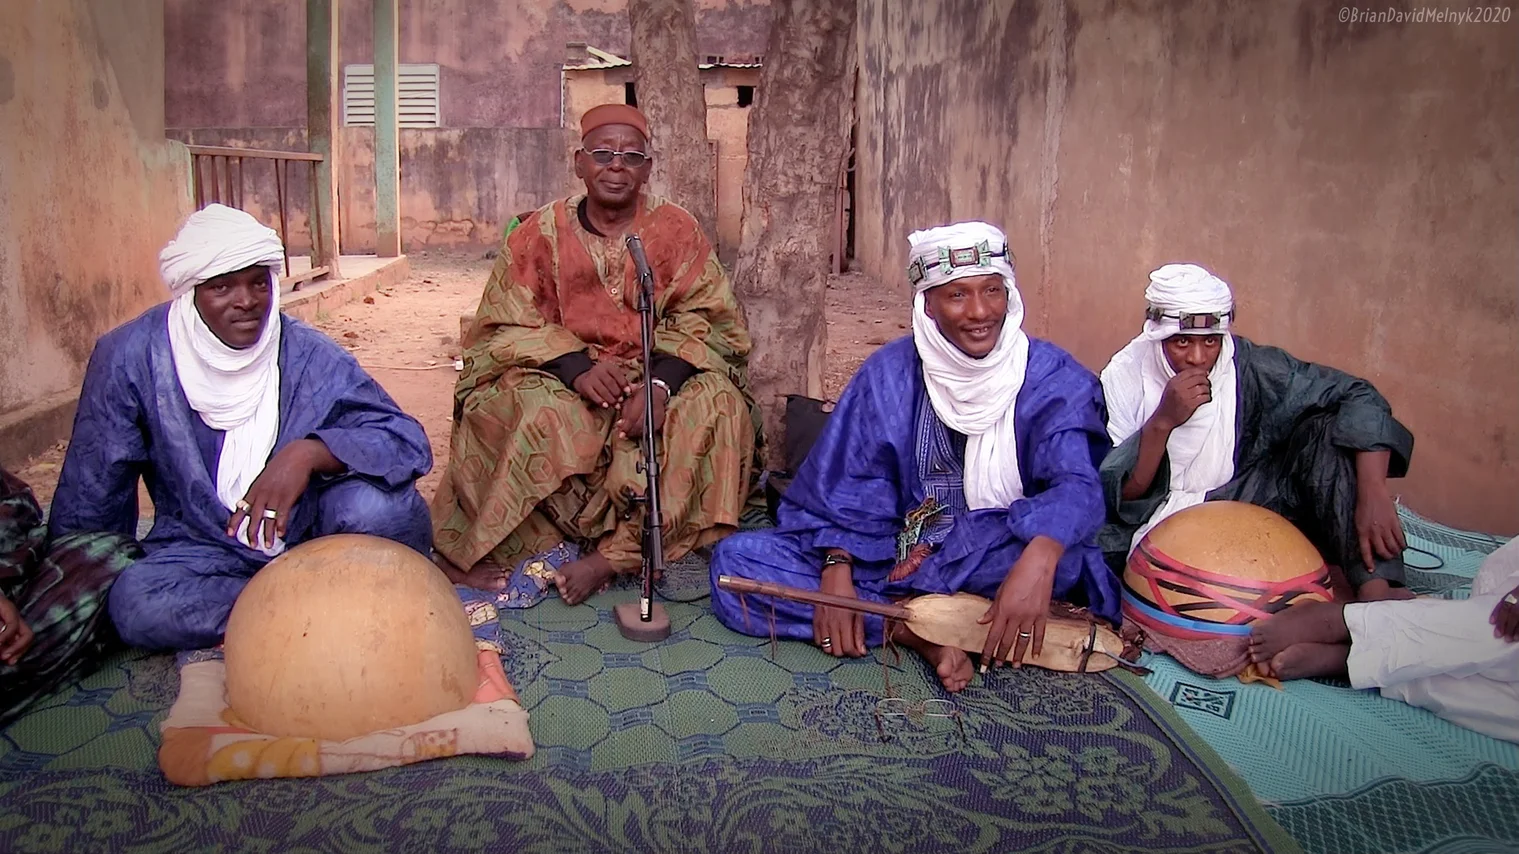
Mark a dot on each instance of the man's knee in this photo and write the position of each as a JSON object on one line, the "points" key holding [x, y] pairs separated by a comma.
{"points": [[168, 604], [716, 393], [125, 602], [737, 555], [756, 555], [356, 506]]}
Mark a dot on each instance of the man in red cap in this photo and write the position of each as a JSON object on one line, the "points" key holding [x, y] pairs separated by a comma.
{"points": [[549, 409]]}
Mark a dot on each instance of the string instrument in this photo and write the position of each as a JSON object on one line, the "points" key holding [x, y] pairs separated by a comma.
{"points": [[1074, 641]]}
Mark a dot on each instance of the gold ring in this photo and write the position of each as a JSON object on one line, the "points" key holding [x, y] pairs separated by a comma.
{"points": [[243, 506], [1511, 599], [271, 513]]}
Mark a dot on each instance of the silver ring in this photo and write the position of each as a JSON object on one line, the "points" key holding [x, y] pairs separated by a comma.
{"points": [[243, 506], [1025, 634], [271, 513], [825, 643], [1511, 599]]}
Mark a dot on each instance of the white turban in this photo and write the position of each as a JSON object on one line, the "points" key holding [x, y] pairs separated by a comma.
{"points": [[976, 397], [216, 240], [237, 391], [1178, 289], [1201, 451]]}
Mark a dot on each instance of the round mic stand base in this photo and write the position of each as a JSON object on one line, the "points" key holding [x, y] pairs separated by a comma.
{"points": [[634, 628]]}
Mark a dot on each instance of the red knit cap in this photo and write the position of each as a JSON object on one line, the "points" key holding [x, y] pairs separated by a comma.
{"points": [[613, 114]]}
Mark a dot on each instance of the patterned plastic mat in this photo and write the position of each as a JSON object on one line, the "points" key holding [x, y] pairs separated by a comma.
{"points": [[710, 741], [1350, 771]]}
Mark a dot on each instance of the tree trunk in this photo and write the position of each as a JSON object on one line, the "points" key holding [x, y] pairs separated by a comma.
{"points": [[671, 95], [798, 139]]}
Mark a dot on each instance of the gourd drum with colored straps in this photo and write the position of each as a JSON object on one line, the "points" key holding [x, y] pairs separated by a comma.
{"points": [[1211, 570]]}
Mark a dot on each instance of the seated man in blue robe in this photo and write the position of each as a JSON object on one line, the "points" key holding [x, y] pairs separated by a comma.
{"points": [[252, 431], [963, 458]]}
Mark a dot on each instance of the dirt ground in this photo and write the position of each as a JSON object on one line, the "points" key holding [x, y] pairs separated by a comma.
{"points": [[407, 338]]}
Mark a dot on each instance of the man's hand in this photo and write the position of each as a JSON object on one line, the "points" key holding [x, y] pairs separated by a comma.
{"points": [[15, 634], [1377, 526], [1505, 618], [1185, 392], [630, 424], [282, 483], [602, 384], [837, 631], [1018, 614]]}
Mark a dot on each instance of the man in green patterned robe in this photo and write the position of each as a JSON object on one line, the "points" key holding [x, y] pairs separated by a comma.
{"points": [[52, 599], [548, 411]]}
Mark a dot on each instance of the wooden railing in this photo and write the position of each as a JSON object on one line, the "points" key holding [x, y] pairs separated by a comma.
{"points": [[217, 173]]}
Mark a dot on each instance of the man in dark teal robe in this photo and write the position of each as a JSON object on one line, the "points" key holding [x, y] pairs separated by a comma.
{"points": [[1198, 413]]}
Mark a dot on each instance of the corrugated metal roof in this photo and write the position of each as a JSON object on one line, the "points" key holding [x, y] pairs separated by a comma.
{"points": [[601, 59]]}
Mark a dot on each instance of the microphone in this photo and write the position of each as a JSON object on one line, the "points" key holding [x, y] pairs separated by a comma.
{"points": [[641, 263], [649, 622]]}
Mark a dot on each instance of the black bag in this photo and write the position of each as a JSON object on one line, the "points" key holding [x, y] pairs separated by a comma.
{"points": [[804, 421]]}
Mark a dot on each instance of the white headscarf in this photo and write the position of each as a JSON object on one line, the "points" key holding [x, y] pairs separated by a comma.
{"points": [[975, 397], [1201, 451], [233, 390]]}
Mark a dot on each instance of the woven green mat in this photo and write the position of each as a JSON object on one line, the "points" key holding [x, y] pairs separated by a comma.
{"points": [[703, 743], [1350, 771]]}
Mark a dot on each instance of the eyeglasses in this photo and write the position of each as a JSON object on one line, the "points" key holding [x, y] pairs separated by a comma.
{"points": [[630, 159]]}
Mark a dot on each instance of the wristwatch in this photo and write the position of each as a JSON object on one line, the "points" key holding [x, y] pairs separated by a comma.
{"points": [[659, 383]]}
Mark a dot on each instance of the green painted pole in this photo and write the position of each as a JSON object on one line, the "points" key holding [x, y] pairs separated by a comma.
{"points": [[322, 117], [387, 153]]}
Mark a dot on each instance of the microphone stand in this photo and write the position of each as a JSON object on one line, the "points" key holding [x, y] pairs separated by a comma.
{"points": [[646, 620]]}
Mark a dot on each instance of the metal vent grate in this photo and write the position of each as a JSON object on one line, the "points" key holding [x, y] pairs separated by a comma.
{"points": [[416, 95]]}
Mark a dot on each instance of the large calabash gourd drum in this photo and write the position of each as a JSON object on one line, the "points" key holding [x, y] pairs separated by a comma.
{"points": [[347, 635], [1211, 570]]}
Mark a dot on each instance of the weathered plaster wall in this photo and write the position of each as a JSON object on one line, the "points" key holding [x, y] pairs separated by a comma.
{"points": [[236, 76], [89, 188], [236, 63], [728, 124], [459, 186], [1356, 183], [242, 63]]}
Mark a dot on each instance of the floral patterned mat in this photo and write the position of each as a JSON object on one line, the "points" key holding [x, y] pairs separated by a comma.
{"points": [[711, 741]]}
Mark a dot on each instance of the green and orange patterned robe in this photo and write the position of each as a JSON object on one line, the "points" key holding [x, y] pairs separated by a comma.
{"points": [[533, 463], [60, 589]]}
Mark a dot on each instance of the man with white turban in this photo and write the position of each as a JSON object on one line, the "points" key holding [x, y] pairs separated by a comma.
{"points": [[1198, 413], [251, 430], [962, 458]]}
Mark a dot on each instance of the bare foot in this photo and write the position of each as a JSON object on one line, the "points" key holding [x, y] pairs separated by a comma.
{"points": [[1380, 590], [1307, 622], [578, 580], [1307, 660], [485, 575], [950, 663]]}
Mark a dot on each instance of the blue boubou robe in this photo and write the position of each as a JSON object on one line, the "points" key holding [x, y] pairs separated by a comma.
{"points": [[884, 451], [134, 421]]}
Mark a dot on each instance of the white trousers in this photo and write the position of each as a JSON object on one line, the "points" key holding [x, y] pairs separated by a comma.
{"points": [[1441, 655]]}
